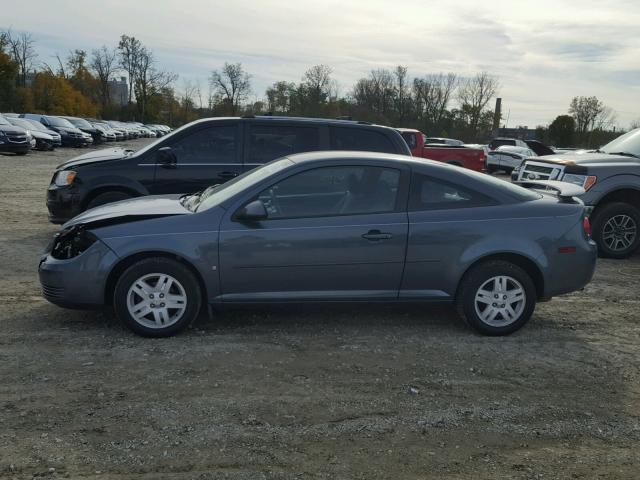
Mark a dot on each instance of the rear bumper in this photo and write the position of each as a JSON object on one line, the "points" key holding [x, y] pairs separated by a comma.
{"points": [[571, 271]]}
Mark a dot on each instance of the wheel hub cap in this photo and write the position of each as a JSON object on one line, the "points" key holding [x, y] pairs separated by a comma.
{"points": [[619, 233], [156, 300], [500, 301]]}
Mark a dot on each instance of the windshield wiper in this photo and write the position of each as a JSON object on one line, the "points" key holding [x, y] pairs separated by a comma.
{"points": [[624, 154]]}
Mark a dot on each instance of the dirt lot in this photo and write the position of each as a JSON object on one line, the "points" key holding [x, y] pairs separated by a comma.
{"points": [[322, 393]]}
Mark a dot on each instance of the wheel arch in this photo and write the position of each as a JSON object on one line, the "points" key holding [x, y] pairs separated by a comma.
{"points": [[124, 263], [628, 195], [527, 264]]}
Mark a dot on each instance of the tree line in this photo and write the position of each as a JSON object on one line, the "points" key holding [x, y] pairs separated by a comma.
{"points": [[439, 104]]}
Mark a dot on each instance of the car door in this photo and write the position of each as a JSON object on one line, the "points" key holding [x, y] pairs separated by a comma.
{"points": [[443, 223], [204, 155], [266, 141], [332, 233]]}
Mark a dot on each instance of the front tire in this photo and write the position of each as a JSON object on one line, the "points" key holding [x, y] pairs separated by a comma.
{"points": [[496, 298], [157, 297], [616, 230]]}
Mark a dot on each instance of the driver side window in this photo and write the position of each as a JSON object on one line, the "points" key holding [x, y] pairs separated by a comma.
{"points": [[333, 191]]}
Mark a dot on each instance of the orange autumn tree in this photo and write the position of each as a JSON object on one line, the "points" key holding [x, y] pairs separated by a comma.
{"points": [[54, 95]]}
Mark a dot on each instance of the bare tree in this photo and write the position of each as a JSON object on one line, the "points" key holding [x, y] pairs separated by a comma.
{"points": [[231, 85], [474, 93], [104, 64], [432, 94], [317, 84], [279, 96], [148, 80], [22, 52], [130, 50]]}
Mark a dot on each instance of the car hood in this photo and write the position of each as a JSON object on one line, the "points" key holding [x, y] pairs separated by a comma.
{"points": [[103, 155], [587, 158], [141, 208], [39, 134]]}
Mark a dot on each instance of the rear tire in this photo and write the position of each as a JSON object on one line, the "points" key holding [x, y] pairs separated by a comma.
{"points": [[616, 230], [157, 297], [496, 298], [107, 197]]}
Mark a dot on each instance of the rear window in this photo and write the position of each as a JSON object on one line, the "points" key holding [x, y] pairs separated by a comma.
{"points": [[516, 191], [410, 138], [361, 139], [496, 143], [429, 193]]}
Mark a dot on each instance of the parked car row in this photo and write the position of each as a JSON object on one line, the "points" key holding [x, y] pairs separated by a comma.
{"points": [[19, 133]]}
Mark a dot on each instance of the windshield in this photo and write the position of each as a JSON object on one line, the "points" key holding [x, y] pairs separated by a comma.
{"points": [[79, 122], [18, 122], [214, 196], [517, 191], [164, 139], [627, 143], [36, 125], [59, 122], [3, 121]]}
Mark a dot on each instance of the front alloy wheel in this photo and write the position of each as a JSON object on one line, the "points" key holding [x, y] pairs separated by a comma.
{"points": [[157, 297], [156, 300]]}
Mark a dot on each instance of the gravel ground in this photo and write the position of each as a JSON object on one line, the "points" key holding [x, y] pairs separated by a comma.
{"points": [[358, 392]]}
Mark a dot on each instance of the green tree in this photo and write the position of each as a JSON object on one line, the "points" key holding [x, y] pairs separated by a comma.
{"points": [[562, 131], [8, 73]]}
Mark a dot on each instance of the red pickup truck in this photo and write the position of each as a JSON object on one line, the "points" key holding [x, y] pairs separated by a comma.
{"points": [[472, 157]]}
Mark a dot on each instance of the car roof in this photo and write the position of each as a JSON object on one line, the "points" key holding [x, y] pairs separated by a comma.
{"points": [[309, 120]]}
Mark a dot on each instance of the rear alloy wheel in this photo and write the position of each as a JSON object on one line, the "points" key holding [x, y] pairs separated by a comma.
{"points": [[157, 297], [496, 298], [616, 230]]}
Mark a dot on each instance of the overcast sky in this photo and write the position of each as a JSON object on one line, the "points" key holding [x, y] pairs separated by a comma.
{"points": [[544, 52]]}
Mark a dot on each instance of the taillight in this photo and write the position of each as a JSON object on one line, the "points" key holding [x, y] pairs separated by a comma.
{"points": [[586, 227]]}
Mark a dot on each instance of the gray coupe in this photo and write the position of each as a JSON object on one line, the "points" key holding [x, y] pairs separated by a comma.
{"points": [[328, 227]]}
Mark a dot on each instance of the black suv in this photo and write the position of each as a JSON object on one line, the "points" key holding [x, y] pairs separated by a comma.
{"points": [[203, 153]]}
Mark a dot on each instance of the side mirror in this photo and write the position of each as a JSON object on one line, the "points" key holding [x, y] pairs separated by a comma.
{"points": [[252, 211], [165, 156]]}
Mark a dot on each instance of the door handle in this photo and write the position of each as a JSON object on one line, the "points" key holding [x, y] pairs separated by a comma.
{"points": [[375, 235], [228, 175]]}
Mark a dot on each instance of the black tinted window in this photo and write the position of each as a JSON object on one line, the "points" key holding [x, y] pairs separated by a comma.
{"points": [[267, 142], [215, 144], [353, 138], [332, 191], [496, 143], [410, 138], [431, 194]]}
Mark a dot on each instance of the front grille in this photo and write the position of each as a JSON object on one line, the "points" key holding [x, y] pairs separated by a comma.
{"points": [[540, 171], [16, 138], [52, 292]]}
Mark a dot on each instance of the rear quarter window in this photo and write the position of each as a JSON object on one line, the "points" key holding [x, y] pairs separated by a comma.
{"points": [[361, 139], [428, 193]]}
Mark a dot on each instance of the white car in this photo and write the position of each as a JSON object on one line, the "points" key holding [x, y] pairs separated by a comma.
{"points": [[507, 158]]}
